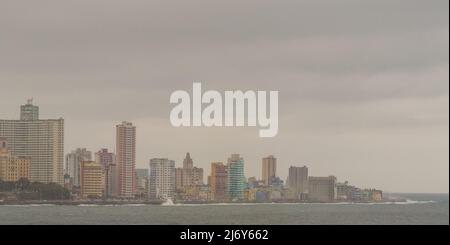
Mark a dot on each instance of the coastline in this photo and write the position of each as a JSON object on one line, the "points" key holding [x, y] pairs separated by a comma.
{"points": [[164, 203]]}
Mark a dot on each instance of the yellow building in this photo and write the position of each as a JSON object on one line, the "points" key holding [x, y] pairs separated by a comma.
{"points": [[12, 168], [250, 195], [92, 179], [377, 195]]}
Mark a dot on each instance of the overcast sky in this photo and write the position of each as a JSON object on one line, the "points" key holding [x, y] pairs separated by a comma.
{"points": [[364, 85]]}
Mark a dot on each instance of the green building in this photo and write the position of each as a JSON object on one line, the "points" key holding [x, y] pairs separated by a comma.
{"points": [[236, 178]]}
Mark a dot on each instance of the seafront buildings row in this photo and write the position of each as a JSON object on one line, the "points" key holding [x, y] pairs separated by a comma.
{"points": [[32, 148]]}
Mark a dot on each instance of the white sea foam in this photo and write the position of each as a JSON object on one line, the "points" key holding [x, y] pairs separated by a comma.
{"points": [[417, 202], [168, 202]]}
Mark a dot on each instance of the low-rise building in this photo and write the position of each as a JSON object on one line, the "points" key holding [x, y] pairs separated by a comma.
{"points": [[322, 189], [92, 180], [12, 168], [250, 195]]}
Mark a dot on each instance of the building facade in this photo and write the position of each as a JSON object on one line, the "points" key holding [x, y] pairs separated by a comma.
{"points": [[126, 159], [188, 175], [29, 112], [142, 183], [108, 162], [92, 180], [73, 164], [219, 181], [236, 178], [162, 179], [41, 141], [12, 168], [298, 181], [269, 169], [322, 189]]}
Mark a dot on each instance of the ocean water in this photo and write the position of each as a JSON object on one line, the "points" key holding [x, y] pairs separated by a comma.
{"points": [[420, 209]]}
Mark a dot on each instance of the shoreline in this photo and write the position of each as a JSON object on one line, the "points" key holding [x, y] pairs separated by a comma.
{"points": [[163, 203]]}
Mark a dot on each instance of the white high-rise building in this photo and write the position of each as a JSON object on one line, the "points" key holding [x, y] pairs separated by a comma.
{"points": [[162, 178], [73, 164], [42, 141]]}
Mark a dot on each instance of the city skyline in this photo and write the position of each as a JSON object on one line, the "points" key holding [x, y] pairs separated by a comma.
{"points": [[363, 88], [82, 154]]}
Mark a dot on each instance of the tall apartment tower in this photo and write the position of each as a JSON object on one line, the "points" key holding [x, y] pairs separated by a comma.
{"points": [[269, 169], [108, 162], [73, 164], [298, 180], [219, 181], [162, 179], [126, 158], [236, 178], [41, 141]]}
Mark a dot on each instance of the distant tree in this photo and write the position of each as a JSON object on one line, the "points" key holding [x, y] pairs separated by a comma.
{"points": [[7, 185], [24, 190], [23, 184]]}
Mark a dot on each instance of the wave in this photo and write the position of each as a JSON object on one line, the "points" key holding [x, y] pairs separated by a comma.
{"points": [[418, 202]]}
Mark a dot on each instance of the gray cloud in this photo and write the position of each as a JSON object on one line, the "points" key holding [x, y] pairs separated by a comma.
{"points": [[354, 76]]}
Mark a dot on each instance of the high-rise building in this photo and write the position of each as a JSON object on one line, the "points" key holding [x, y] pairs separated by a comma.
{"points": [[126, 158], [322, 189], [236, 178], [92, 180], [73, 164], [269, 169], [188, 175], [219, 181], [42, 141], [179, 179], [188, 162], [108, 162], [12, 168], [142, 182], [162, 179], [298, 181]]}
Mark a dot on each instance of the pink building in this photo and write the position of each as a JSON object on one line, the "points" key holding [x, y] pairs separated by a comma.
{"points": [[126, 159], [108, 162]]}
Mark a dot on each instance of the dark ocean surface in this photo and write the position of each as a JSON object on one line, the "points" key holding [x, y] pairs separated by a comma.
{"points": [[419, 209]]}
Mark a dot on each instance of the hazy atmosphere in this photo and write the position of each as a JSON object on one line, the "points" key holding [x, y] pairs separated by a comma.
{"points": [[363, 85]]}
